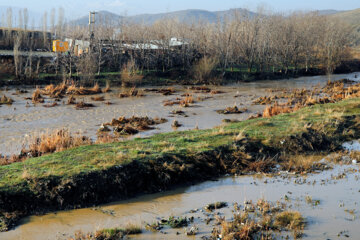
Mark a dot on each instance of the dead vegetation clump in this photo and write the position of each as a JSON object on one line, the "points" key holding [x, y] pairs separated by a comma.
{"points": [[83, 105], [6, 100], [216, 92], [69, 88], [254, 116], [109, 234], [265, 100], [179, 112], [133, 125], [200, 89], [73, 90], [107, 88], [163, 91], [130, 74], [50, 105], [56, 141], [36, 97], [55, 91], [299, 163], [5, 160], [106, 137], [204, 71], [276, 109], [183, 102], [71, 100], [176, 124], [232, 110], [263, 220], [289, 220], [98, 98], [133, 92], [298, 98]]}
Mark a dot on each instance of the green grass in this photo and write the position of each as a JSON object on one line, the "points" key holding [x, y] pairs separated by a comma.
{"points": [[86, 159]]}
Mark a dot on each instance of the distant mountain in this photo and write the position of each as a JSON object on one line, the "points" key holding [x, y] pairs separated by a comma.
{"points": [[328, 12], [101, 17], [187, 16]]}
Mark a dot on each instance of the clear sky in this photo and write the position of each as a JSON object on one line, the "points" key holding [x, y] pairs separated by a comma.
{"points": [[76, 8]]}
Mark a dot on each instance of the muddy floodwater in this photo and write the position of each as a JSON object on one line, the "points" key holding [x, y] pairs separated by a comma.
{"points": [[23, 120], [337, 213]]}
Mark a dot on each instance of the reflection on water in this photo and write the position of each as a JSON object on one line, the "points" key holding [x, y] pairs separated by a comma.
{"points": [[18, 122]]}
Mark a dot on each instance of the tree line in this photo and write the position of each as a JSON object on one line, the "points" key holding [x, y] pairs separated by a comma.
{"points": [[262, 43]]}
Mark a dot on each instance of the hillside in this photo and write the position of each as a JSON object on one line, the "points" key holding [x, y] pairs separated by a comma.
{"points": [[353, 19], [101, 16]]}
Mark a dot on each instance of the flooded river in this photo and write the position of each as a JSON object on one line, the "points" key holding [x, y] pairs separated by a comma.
{"points": [[326, 221], [20, 121], [338, 191]]}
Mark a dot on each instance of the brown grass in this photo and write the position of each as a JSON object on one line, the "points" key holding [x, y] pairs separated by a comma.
{"points": [[6, 100], [232, 110], [71, 100], [301, 163], [185, 102], [163, 91], [276, 109], [105, 137], [83, 105], [68, 88], [130, 74], [5, 160], [98, 98], [36, 96], [133, 92], [55, 141], [107, 88], [130, 126], [50, 105], [290, 220]]}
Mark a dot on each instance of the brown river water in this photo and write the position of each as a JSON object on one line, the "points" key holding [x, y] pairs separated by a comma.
{"points": [[19, 121], [325, 221]]}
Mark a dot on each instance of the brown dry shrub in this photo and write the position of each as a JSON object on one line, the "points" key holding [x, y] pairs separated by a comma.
{"points": [[130, 74], [203, 71], [55, 141], [276, 109], [36, 96], [6, 100]]}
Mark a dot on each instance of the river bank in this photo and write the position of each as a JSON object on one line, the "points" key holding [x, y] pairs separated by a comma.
{"points": [[182, 76]]}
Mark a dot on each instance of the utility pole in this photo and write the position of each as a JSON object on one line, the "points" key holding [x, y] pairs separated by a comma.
{"points": [[91, 28]]}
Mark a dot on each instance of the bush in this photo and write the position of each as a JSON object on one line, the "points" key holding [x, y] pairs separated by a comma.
{"points": [[204, 70]]}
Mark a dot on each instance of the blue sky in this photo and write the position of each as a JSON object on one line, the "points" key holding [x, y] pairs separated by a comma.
{"points": [[76, 8]]}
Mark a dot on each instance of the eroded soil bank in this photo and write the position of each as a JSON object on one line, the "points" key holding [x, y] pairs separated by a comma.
{"points": [[333, 209]]}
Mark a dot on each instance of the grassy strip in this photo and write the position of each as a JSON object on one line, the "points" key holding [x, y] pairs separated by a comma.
{"points": [[99, 157], [99, 173]]}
